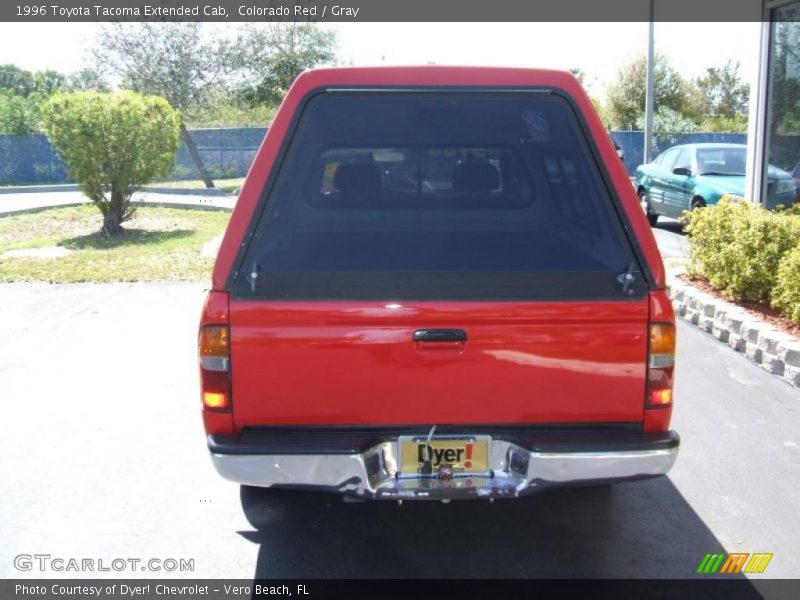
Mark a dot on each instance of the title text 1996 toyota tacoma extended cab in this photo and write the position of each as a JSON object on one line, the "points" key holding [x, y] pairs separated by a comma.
{"points": [[437, 283]]}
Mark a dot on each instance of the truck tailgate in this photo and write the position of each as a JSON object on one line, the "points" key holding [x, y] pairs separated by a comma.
{"points": [[357, 363]]}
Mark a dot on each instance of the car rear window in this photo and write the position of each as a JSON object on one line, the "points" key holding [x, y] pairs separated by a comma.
{"points": [[436, 195], [721, 161]]}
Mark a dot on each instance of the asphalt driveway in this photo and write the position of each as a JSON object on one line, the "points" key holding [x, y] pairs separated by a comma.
{"points": [[104, 456], [670, 238]]}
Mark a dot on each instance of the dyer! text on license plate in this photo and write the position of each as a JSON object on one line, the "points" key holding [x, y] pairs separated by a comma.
{"points": [[462, 455]]}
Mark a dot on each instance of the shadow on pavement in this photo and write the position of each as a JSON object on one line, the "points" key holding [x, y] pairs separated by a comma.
{"points": [[671, 225], [641, 529]]}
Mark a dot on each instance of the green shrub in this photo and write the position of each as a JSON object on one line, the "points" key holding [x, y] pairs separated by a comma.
{"points": [[793, 210], [737, 246], [113, 144], [786, 293]]}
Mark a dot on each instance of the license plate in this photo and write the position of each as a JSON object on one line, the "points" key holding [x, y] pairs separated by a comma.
{"points": [[462, 455]]}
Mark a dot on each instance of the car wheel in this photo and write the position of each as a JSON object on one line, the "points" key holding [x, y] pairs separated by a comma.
{"points": [[698, 203], [264, 507], [644, 200]]}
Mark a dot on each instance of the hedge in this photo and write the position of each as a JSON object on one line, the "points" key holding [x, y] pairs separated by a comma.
{"points": [[748, 253], [786, 292]]}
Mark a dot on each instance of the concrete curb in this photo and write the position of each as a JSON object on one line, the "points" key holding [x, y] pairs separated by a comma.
{"points": [[770, 348], [183, 191], [192, 206], [73, 187], [156, 203], [35, 209], [38, 189]]}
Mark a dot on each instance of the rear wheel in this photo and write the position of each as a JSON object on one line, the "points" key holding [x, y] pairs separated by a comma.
{"points": [[644, 200], [698, 203]]}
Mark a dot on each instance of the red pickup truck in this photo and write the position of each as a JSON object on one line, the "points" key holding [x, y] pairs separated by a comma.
{"points": [[437, 283]]}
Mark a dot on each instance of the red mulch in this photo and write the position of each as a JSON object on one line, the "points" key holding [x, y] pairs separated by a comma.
{"points": [[762, 311]]}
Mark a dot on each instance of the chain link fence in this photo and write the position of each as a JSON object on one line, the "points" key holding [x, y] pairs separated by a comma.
{"points": [[227, 153]]}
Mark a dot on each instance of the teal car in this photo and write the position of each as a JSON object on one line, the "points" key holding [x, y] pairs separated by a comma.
{"points": [[696, 175]]}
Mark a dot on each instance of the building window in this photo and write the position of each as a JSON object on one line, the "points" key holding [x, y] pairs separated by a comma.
{"points": [[783, 113]]}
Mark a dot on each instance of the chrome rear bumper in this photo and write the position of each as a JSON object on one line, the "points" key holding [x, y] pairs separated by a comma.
{"points": [[514, 470]]}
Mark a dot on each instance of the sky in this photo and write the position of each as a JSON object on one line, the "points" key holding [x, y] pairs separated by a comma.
{"points": [[597, 48]]}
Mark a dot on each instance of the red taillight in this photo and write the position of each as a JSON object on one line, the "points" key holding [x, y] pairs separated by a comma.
{"points": [[660, 397], [660, 365], [214, 356], [215, 399]]}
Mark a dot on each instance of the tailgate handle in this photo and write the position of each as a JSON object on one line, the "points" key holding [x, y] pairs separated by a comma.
{"points": [[440, 335]]}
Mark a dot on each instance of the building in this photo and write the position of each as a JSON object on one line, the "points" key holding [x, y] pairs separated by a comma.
{"points": [[774, 124]]}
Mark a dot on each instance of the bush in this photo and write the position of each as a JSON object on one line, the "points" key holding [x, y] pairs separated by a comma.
{"points": [[737, 246], [793, 210], [112, 144], [786, 293]]}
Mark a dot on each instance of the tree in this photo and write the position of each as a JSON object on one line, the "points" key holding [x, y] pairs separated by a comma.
{"points": [[271, 57], [15, 80], [626, 96], [737, 123], [18, 114], [24, 83], [723, 92], [86, 80], [579, 74], [22, 94], [173, 60], [668, 124], [602, 111], [222, 109], [48, 82], [112, 144]]}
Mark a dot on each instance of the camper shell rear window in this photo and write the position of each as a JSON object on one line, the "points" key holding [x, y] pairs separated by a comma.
{"points": [[423, 195]]}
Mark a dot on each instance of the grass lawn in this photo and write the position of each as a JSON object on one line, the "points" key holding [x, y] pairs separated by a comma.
{"points": [[226, 185], [159, 244]]}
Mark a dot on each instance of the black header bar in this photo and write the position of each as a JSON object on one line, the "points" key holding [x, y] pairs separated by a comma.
{"points": [[734, 587], [489, 11]]}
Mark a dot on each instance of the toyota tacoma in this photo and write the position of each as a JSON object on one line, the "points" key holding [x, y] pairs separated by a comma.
{"points": [[437, 283]]}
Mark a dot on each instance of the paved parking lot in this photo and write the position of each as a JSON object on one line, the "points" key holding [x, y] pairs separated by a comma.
{"points": [[104, 457], [671, 241]]}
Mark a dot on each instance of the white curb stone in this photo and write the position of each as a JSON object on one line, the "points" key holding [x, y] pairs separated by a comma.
{"points": [[754, 353], [773, 364], [706, 324], [792, 375], [722, 334], [772, 349], [751, 330], [789, 353], [736, 342]]}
